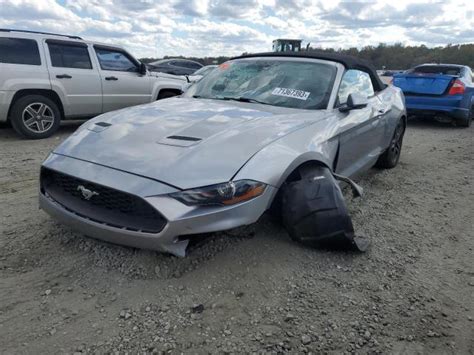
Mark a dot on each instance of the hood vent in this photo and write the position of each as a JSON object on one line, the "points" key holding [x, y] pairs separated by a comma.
{"points": [[180, 141], [103, 124], [99, 126], [183, 138]]}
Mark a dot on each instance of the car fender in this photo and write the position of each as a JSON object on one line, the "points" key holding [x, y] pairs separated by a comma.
{"points": [[394, 98], [39, 89], [162, 82], [12, 86], [17, 84], [288, 154], [468, 100], [283, 156], [58, 89]]}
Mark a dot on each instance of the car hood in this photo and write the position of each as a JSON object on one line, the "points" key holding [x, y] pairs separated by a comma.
{"points": [[181, 141], [156, 74]]}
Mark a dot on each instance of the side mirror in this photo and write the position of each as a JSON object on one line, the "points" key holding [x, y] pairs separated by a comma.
{"points": [[142, 69], [354, 102]]}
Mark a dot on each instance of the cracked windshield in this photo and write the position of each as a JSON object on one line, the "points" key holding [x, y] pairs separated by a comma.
{"points": [[293, 84]]}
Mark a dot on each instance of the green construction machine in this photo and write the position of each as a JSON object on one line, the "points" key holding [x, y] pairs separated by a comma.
{"points": [[287, 45]]}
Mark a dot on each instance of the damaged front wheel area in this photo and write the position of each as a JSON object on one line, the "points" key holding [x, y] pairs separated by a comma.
{"points": [[314, 211]]}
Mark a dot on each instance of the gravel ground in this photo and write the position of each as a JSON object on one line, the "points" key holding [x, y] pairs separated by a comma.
{"points": [[252, 289]]}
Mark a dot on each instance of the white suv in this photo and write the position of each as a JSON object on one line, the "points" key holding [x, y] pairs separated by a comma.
{"points": [[48, 77]]}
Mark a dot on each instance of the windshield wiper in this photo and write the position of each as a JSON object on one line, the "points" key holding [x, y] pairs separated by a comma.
{"points": [[242, 99]]}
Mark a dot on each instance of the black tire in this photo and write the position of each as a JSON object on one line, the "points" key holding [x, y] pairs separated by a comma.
{"points": [[466, 123], [389, 159], [35, 117], [166, 94]]}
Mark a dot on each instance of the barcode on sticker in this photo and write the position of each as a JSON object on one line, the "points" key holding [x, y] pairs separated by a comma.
{"points": [[293, 93]]}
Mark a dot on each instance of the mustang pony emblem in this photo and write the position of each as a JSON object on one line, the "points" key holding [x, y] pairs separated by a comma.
{"points": [[86, 193]]}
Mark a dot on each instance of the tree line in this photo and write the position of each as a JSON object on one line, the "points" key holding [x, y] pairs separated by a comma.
{"points": [[393, 56], [398, 56]]}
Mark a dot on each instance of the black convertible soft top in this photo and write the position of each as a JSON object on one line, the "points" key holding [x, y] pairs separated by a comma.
{"points": [[349, 62]]}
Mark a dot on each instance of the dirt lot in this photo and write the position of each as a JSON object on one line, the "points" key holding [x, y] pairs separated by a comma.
{"points": [[251, 290]]}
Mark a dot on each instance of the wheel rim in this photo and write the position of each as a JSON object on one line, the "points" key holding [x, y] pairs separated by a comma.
{"points": [[38, 117], [396, 144]]}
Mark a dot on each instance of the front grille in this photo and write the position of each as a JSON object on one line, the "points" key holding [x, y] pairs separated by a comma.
{"points": [[108, 206]]}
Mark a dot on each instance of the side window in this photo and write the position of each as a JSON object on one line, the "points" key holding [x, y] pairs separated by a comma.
{"points": [[19, 51], [195, 66], [178, 63], [354, 81], [69, 56], [190, 65], [187, 65], [110, 59]]}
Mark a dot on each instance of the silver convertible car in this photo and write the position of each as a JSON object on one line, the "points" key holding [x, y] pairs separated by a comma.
{"points": [[270, 131]]}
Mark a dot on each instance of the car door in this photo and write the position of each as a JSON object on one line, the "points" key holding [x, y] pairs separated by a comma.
{"points": [[74, 76], [122, 84], [360, 130]]}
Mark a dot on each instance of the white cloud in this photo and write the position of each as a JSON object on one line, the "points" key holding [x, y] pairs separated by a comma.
{"points": [[220, 27]]}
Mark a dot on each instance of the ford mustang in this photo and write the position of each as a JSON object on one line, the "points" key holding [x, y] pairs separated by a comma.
{"points": [[269, 131]]}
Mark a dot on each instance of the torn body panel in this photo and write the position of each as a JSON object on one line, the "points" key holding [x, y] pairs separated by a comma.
{"points": [[315, 213]]}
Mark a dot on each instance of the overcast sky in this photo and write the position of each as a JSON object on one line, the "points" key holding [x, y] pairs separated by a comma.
{"points": [[150, 28]]}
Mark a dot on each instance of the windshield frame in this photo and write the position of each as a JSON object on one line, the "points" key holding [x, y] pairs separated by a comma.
{"points": [[329, 102]]}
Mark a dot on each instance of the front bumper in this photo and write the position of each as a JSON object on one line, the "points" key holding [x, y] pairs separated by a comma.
{"points": [[181, 219]]}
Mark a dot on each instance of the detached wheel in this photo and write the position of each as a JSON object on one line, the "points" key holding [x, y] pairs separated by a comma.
{"points": [[389, 159], [35, 117]]}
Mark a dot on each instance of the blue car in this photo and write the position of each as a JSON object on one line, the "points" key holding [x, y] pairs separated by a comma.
{"points": [[445, 90]]}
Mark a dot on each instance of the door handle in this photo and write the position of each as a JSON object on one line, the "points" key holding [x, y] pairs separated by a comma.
{"points": [[111, 78], [64, 76]]}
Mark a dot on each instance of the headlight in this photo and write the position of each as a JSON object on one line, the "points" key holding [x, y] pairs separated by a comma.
{"points": [[228, 193]]}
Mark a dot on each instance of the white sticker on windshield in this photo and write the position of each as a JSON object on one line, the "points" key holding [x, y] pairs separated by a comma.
{"points": [[293, 93]]}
